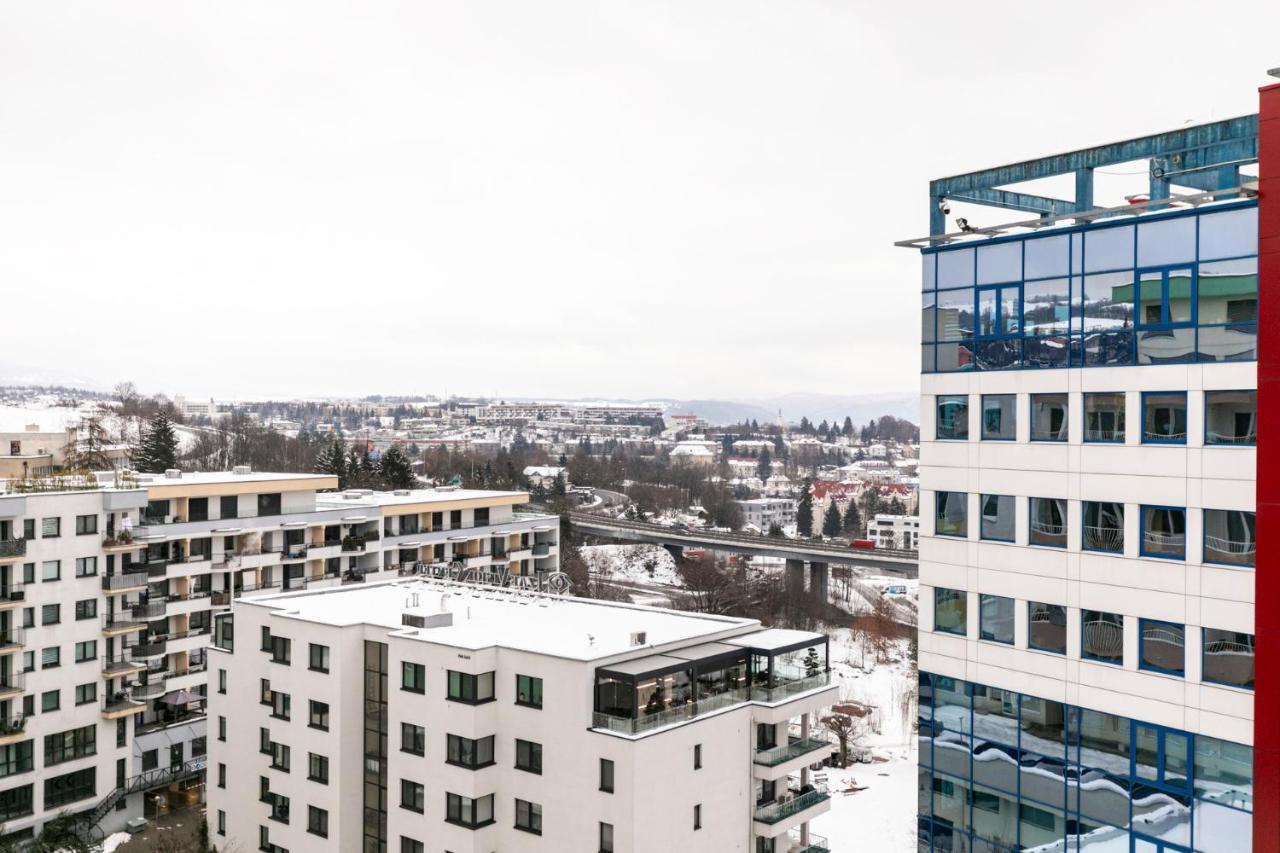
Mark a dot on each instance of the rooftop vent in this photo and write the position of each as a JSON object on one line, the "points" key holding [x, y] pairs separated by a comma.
{"points": [[401, 493], [241, 470], [172, 474], [639, 638], [435, 620]]}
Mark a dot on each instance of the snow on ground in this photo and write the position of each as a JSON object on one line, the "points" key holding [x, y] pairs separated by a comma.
{"points": [[48, 418], [648, 565], [113, 841]]}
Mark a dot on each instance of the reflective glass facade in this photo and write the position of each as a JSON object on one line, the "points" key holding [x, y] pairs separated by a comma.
{"points": [[1002, 771]]}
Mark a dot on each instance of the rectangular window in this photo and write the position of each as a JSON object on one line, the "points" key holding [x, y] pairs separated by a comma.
{"points": [[1104, 527], [529, 816], [318, 768], [50, 657], [1227, 658], [70, 745], [70, 787], [606, 838], [951, 514], [995, 619], [1047, 627], [1104, 418], [606, 775], [1164, 417], [229, 506], [410, 845], [50, 528], [222, 822], [1229, 537], [1102, 636], [413, 677], [16, 758], [86, 650], [469, 753], [471, 813], [318, 717], [1164, 532], [15, 802], [953, 418], [528, 756], [50, 614], [999, 421], [86, 567], [317, 821], [51, 570], [86, 524], [87, 609], [529, 691], [997, 517], [86, 693], [1162, 647], [950, 607], [280, 757], [1231, 418], [697, 816], [697, 756], [474, 689], [412, 796], [1048, 522], [269, 504], [222, 681], [318, 658], [413, 739], [1048, 417]]}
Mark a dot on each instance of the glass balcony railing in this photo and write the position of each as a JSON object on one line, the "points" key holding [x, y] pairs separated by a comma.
{"points": [[784, 689], [792, 805], [781, 754]]}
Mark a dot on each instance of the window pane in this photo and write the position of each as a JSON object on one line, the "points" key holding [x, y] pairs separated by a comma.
{"points": [[997, 517], [1229, 234], [987, 318], [996, 619], [998, 419], [952, 514], [949, 610], [955, 315], [1047, 256], [1000, 262], [1224, 772], [1102, 636], [1164, 532], [1163, 646], [1047, 627], [1104, 417], [1231, 417], [1107, 302], [928, 311], [1227, 658], [1229, 537], [1108, 249], [1099, 349], [1164, 418], [1046, 352], [1048, 522], [953, 417], [953, 357], [1167, 241], [1104, 526], [1046, 307], [955, 268]]}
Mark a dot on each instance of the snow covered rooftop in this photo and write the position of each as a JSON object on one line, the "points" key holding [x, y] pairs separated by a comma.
{"points": [[367, 497], [483, 617], [772, 639]]}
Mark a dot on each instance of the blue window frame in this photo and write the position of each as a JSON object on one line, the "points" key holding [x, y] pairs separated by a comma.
{"points": [[1164, 417], [1231, 418], [1104, 421], [1103, 527], [999, 417], [1164, 532], [1102, 637], [1047, 627], [952, 417], [1162, 647]]}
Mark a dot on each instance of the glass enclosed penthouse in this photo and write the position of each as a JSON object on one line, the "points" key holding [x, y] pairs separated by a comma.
{"points": [[642, 694]]}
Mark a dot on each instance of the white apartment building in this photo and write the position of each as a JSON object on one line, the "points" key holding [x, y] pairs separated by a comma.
{"points": [[895, 531], [763, 513], [107, 595], [420, 715]]}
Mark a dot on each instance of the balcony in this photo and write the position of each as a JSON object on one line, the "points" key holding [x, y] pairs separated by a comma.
{"points": [[122, 543], [125, 581], [294, 552], [774, 756], [12, 684], [157, 569], [12, 729], [11, 548], [541, 549], [149, 610], [797, 844], [790, 805], [12, 595], [785, 689], [114, 624], [153, 688], [120, 704], [658, 719], [115, 666], [10, 640], [152, 647]]}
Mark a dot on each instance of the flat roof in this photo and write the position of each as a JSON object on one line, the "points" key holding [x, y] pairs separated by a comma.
{"points": [[483, 617], [205, 478], [772, 639], [411, 496]]}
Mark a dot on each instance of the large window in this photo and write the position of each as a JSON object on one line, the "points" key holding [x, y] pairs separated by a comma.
{"points": [[468, 812], [412, 796], [999, 417], [529, 691], [1048, 522], [1227, 658], [529, 816], [1164, 532], [1104, 418], [953, 418], [1104, 526], [1162, 647], [1231, 417], [995, 619], [1047, 627], [1102, 636], [1048, 417], [413, 739], [951, 514], [997, 517], [1164, 417], [466, 687], [70, 787], [528, 756], [1229, 537], [950, 607], [70, 745], [413, 677], [466, 752]]}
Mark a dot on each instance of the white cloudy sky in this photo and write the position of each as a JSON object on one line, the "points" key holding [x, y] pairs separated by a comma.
{"points": [[554, 198]]}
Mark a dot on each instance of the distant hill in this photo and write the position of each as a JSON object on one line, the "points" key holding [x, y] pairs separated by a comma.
{"points": [[816, 407]]}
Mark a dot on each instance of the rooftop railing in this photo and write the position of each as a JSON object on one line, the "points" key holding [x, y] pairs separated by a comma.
{"points": [[783, 690]]}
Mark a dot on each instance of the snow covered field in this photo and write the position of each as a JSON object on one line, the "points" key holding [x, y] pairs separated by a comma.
{"points": [[647, 565]]}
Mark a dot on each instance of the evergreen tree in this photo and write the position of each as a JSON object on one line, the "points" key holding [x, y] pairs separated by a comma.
{"points": [[847, 429], [158, 450], [804, 511], [775, 530], [831, 520], [764, 465], [824, 429], [805, 426], [852, 523], [395, 470], [333, 460]]}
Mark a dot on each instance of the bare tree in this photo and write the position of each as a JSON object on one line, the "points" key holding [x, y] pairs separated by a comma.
{"points": [[710, 588], [840, 725]]}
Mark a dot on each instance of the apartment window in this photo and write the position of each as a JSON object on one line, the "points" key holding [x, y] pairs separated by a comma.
{"points": [[86, 693], [411, 796], [413, 677], [413, 739], [222, 822], [16, 802], [28, 661], [466, 752], [606, 775], [28, 617], [87, 609], [318, 768], [222, 774], [1048, 526], [606, 838], [409, 845], [51, 570], [1231, 417], [529, 691], [455, 519], [280, 648], [480, 517], [953, 418], [318, 657], [1104, 418], [50, 657], [199, 747], [1164, 532], [86, 524], [1229, 537], [50, 528], [70, 787], [86, 650], [150, 760], [1104, 527], [995, 619], [318, 717], [997, 517], [318, 821], [529, 816], [16, 758], [1164, 417], [1048, 417], [950, 610], [269, 504], [466, 687], [999, 417], [280, 757], [1161, 647], [50, 614], [1102, 636], [951, 514], [222, 681], [528, 756], [1047, 627], [280, 705], [697, 816], [229, 506], [1227, 658], [471, 813], [70, 745], [697, 756]]}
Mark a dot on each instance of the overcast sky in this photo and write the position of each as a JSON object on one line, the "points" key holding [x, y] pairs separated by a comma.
{"points": [[552, 198]]}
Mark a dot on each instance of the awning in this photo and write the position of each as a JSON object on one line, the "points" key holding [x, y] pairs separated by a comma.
{"points": [[181, 697]]}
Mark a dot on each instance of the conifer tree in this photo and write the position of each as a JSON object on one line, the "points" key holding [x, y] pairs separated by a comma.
{"points": [[158, 450], [831, 521], [395, 470], [804, 511]]}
